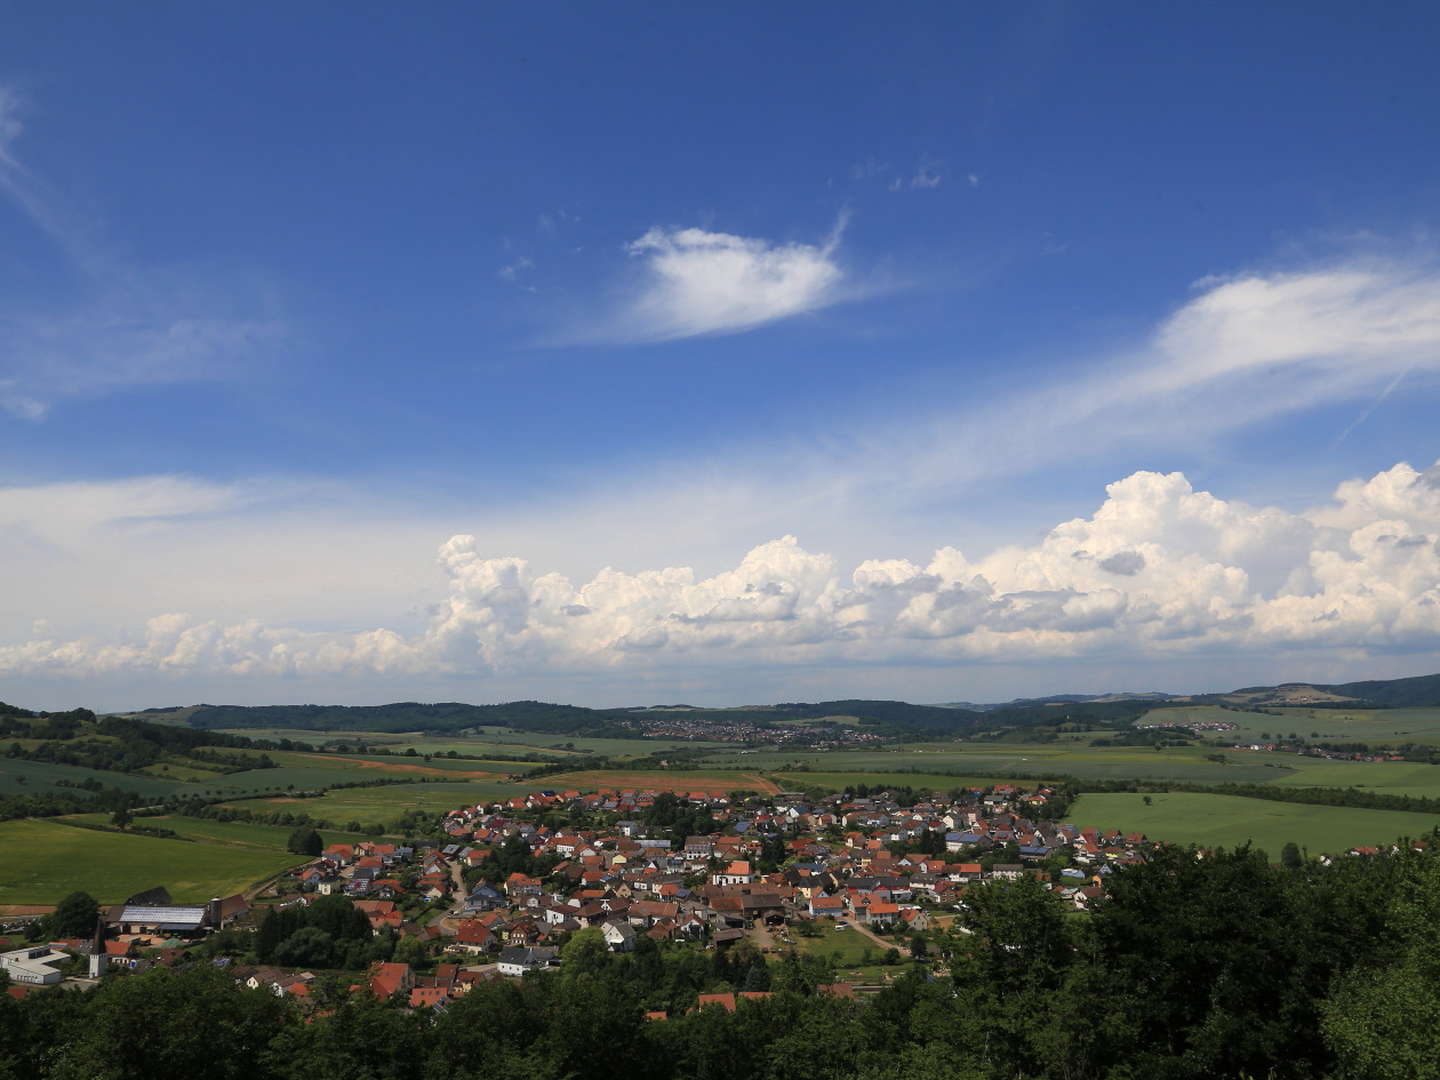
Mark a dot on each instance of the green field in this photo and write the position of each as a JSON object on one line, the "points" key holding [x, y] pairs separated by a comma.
{"points": [[1031, 759], [381, 805], [232, 833], [45, 860], [1230, 820], [834, 782], [505, 741], [18, 777], [1374, 726], [847, 948]]}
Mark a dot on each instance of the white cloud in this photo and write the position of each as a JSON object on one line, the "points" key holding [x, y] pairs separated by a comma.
{"points": [[1158, 570], [511, 271], [697, 282], [925, 177]]}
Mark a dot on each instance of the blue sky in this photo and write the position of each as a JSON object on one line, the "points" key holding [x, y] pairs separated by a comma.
{"points": [[290, 300]]}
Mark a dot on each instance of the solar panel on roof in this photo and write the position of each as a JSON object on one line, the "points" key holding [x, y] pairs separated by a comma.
{"points": [[178, 916]]}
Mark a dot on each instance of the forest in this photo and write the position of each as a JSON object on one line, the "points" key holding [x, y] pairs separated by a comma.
{"points": [[1223, 966]]}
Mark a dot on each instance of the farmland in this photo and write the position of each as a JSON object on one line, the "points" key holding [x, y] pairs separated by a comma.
{"points": [[1229, 820], [232, 833], [1375, 726], [1186, 764], [44, 860], [849, 781], [545, 747], [20, 777], [381, 805], [714, 780]]}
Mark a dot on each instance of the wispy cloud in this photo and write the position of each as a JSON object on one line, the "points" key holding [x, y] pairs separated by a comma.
{"points": [[694, 282], [126, 325], [512, 270]]}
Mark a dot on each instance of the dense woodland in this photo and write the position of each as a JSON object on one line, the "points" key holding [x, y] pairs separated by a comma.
{"points": [[1224, 966]]}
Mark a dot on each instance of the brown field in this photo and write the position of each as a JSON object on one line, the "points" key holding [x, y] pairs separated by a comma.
{"points": [[711, 783]]}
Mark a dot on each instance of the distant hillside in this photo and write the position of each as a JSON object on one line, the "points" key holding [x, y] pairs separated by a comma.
{"points": [[894, 716], [413, 716], [1062, 699], [556, 719], [1419, 691]]}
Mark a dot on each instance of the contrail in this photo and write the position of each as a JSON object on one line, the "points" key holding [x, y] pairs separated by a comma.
{"points": [[1365, 413]]}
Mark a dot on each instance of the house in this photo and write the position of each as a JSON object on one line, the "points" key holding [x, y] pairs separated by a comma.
{"points": [[737, 873], [387, 979], [728, 1001], [517, 960], [879, 913], [619, 936]]}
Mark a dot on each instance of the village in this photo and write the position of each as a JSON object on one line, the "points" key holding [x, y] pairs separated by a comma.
{"points": [[519, 878]]}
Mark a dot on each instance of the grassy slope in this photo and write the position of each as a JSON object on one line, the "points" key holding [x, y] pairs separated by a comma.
{"points": [[383, 804], [1229, 820], [230, 833], [45, 860], [38, 777]]}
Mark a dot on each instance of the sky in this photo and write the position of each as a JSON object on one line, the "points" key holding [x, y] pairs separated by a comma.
{"points": [[638, 355]]}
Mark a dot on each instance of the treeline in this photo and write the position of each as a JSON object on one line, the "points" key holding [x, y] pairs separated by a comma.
{"points": [[117, 744], [1194, 969], [53, 804], [447, 716]]}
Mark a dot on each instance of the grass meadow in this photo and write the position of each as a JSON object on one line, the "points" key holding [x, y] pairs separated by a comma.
{"points": [[45, 860], [1231, 820]]}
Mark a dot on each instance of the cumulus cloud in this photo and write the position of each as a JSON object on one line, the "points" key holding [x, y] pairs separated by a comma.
{"points": [[697, 282], [1159, 569]]}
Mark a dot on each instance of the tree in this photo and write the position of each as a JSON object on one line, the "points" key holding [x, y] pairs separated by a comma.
{"points": [[307, 947], [121, 818], [75, 916], [410, 950], [1290, 855], [305, 841], [585, 951]]}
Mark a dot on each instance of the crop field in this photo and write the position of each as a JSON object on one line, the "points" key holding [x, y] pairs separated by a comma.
{"points": [[1033, 759], [45, 860], [714, 781], [381, 805], [39, 777], [518, 741], [1388, 777], [836, 782], [1231, 820], [231, 833], [494, 740], [370, 767], [1375, 726]]}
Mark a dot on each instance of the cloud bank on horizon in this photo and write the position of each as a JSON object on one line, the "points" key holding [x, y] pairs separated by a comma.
{"points": [[1159, 569]]}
